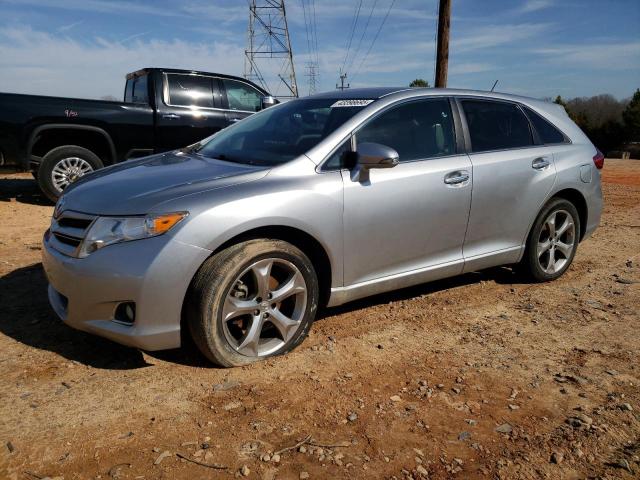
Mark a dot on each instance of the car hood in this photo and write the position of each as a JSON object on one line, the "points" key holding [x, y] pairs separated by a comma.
{"points": [[136, 186]]}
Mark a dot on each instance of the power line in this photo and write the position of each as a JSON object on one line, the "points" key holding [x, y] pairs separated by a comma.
{"points": [[366, 25], [374, 40], [353, 30], [315, 30], [312, 46]]}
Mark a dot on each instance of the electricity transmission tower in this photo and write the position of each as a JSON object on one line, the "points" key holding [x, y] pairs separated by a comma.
{"points": [[312, 67], [268, 45]]}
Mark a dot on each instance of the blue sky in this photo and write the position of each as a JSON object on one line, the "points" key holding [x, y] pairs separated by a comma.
{"points": [[539, 48]]}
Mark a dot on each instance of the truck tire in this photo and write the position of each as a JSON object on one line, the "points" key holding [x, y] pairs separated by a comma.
{"points": [[251, 301], [63, 166]]}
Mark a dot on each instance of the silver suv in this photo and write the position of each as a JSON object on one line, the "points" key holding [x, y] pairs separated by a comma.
{"points": [[319, 201]]}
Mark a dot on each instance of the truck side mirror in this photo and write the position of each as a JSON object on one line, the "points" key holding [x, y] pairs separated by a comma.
{"points": [[269, 101]]}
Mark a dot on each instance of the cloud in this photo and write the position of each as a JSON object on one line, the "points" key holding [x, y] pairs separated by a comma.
{"points": [[497, 35], [66, 28], [41, 63], [602, 55], [534, 5], [99, 6], [471, 67]]}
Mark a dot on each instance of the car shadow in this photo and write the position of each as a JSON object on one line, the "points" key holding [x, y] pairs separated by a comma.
{"points": [[27, 318], [500, 275], [23, 190]]}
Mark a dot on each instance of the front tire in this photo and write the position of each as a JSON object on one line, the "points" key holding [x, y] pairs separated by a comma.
{"points": [[251, 301], [63, 166], [553, 241]]}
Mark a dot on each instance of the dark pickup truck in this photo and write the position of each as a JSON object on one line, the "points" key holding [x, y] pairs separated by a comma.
{"points": [[61, 139]]}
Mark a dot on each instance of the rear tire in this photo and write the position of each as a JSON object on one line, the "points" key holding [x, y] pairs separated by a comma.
{"points": [[64, 165], [251, 301], [552, 242]]}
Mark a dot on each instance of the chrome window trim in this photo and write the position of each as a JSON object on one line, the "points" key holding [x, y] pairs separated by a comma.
{"points": [[165, 93]]}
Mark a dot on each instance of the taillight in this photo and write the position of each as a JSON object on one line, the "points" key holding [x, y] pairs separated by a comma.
{"points": [[598, 159]]}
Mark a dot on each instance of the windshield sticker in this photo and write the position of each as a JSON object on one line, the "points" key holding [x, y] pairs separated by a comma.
{"points": [[351, 103]]}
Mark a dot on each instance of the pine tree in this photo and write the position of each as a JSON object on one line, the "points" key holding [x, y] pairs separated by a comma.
{"points": [[631, 117]]}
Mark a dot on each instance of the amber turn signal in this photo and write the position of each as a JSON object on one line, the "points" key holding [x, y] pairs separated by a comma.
{"points": [[161, 223]]}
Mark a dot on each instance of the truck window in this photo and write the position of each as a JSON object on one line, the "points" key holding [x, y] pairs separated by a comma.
{"points": [[128, 90], [140, 90], [242, 96], [136, 90], [189, 90]]}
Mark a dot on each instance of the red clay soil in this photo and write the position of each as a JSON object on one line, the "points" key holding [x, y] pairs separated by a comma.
{"points": [[475, 377]]}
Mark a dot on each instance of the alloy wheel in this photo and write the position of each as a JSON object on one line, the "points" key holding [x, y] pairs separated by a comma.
{"points": [[68, 170], [265, 307], [556, 242]]}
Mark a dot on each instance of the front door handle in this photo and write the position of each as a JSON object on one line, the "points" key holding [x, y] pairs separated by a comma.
{"points": [[457, 178], [540, 163], [171, 116], [234, 120]]}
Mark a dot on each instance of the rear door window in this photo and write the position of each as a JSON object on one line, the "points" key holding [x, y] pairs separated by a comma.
{"points": [[242, 96], [190, 90], [416, 130], [496, 125], [136, 90], [548, 133]]}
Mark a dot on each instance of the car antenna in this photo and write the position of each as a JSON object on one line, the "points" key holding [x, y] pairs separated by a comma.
{"points": [[494, 85]]}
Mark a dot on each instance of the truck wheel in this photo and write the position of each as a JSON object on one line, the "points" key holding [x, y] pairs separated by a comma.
{"points": [[63, 166], [553, 241], [251, 301]]}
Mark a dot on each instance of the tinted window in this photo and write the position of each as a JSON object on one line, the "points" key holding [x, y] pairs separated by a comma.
{"points": [[241, 96], [278, 134], [416, 130], [128, 91], [190, 90], [336, 160], [140, 90], [547, 132], [496, 125], [136, 90]]}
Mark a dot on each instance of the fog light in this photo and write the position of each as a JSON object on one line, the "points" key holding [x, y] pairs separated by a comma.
{"points": [[126, 313]]}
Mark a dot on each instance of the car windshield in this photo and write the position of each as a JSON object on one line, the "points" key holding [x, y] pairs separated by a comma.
{"points": [[280, 133]]}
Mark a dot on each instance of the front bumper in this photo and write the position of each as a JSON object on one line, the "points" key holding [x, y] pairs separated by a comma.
{"points": [[154, 273]]}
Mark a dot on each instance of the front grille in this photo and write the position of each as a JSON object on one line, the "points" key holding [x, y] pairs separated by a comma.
{"points": [[68, 231]]}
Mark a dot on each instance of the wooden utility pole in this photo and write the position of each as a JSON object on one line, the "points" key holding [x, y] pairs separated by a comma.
{"points": [[442, 56]]}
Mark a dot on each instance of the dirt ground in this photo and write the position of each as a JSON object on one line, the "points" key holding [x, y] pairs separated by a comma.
{"points": [[474, 377]]}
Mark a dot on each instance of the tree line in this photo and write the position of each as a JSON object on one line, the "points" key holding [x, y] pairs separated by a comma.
{"points": [[611, 124]]}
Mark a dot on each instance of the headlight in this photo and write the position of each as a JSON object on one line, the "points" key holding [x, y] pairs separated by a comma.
{"points": [[109, 230]]}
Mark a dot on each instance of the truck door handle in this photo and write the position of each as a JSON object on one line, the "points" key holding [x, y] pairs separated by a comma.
{"points": [[456, 178], [540, 163], [171, 116]]}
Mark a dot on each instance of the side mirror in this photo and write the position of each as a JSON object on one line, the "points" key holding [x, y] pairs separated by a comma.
{"points": [[375, 155], [269, 101], [372, 155]]}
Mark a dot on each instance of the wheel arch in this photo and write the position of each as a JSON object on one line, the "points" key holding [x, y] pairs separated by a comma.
{"points": [[578, 200], [306, 242], [47, 137]]}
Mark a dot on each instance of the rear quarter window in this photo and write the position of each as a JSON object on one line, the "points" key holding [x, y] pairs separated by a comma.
{"points": [[496, 125], [546, 131]]}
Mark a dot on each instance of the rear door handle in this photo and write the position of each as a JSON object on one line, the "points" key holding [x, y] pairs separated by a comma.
{"points": [[234, 120], [456, 178], [540, 163], [171, 116]]}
